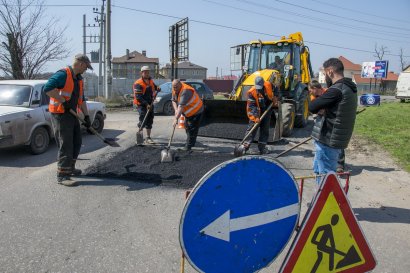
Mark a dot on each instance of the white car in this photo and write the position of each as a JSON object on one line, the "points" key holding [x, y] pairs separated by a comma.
{"points": [[25, 119]]}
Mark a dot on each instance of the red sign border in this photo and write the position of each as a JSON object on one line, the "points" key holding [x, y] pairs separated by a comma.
{"points": [[330, 184]]}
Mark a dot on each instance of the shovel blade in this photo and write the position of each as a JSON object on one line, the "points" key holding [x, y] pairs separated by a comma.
{"points": [[111, 142], [140, 138], [239, 150], [167, 155]]}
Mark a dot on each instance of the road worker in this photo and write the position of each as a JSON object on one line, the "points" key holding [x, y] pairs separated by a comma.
{"points": [[145, 92], [187, 102]]}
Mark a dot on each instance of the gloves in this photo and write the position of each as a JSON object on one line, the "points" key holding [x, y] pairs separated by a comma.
{"points": [[66, 105], [257, 120], [87, 122], [149, 107]]}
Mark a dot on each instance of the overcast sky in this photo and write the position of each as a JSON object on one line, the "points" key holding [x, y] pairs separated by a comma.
{"points": [[330, 30]]}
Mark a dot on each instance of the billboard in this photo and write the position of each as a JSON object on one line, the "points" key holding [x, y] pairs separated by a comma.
{"points": [[376, 69]]}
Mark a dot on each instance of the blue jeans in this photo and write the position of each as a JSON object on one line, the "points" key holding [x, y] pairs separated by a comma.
{"points": [[325, 159]]}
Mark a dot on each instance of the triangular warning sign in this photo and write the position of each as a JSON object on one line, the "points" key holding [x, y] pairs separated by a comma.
{"points": [[330, 239]]}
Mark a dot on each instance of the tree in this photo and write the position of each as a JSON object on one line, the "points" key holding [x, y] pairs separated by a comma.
{"points": [[379, 54], [380, 51], [28, 38], [403, 62]]}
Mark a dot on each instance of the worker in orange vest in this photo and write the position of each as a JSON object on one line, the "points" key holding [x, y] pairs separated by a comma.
{"points": [[66, 91], [260, 96], [187, 102], [145, 92]]}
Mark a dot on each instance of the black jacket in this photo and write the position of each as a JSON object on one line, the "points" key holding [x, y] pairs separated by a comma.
{"points": [[339, 102]]}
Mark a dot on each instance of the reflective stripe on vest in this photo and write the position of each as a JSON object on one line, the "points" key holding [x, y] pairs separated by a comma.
{"points": [[144, 88], [194, 104], [56, 106]]}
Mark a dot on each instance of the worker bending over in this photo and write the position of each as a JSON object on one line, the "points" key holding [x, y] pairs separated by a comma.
{"points": [[187, 102], [259, 97]]}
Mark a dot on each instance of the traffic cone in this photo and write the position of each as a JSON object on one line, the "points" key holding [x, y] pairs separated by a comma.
{"points": [[181, 122]]}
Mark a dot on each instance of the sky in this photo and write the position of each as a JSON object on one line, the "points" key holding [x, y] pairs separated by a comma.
{"points": [[330, 29]]}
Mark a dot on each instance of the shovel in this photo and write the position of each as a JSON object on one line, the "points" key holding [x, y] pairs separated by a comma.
{"points": [[167, 155], [140, 134], [240, 148], [109, 141]]}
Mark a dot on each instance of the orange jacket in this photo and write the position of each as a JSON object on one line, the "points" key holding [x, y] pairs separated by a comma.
{"points": [[253, 109], [144, 88], [57, 107], [312, 97], [193, 105]]}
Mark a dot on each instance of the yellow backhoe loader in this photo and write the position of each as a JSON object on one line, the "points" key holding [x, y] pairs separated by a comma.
{"points": [[286, 64]]}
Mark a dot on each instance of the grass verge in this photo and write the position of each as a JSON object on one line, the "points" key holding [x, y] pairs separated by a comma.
{"points": [[388, 125]]}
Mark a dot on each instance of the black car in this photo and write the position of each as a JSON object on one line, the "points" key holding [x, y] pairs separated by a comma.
{"points": [[163, 104]]}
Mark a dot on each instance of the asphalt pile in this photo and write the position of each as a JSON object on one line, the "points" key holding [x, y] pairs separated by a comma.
{"points": [[143, 164]]}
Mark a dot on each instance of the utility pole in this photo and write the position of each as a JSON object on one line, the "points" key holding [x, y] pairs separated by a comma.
{"points": [[100, 20], [84, 36], [108, 71]]}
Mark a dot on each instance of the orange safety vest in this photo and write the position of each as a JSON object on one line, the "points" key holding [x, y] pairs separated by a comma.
{"points": [[256, 95], [56, 106], [144, 88], [193, 105], [312, 97]]}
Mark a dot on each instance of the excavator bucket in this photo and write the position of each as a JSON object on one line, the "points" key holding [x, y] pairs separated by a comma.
{"points": [[227, 119]]}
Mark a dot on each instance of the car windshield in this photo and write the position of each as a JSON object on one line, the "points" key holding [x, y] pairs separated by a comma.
{"points": [[15, 95], [165, 88]]}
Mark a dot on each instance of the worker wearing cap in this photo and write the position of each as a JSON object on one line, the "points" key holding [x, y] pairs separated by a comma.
{"points": [[66, 91], [145, 92], [187, 102], [260, 97]]}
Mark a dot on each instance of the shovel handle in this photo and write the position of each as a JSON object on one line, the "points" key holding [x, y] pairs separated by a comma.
{"points": [[90, 128], [172, 136], [256, 125]]}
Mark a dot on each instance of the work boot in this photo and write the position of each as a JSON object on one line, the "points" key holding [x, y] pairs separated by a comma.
{"points": [[186, 149], [149, 140], [66, 181], [76, 172], [263, 150]]}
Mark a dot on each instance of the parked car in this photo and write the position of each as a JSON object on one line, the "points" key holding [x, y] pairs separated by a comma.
{"points": [[25, 119], [163, 104]]}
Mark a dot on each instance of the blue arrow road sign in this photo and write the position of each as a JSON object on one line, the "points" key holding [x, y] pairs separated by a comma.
{"points": [[239, 216]]}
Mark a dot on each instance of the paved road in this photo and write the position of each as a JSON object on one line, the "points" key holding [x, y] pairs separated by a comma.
{"points": [[106, 225]]}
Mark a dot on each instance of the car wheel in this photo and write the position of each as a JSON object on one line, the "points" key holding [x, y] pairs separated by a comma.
{"points": [[98, 123], [168, 108], [39, 141]]}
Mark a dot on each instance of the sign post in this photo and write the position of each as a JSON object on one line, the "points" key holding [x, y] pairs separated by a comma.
{"points": [[239, 216]]}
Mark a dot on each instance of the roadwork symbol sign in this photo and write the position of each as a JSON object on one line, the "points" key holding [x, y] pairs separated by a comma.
{"points": [[330, 239], [239, 216]]}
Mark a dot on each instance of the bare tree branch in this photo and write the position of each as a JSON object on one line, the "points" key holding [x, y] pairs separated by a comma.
{"points": [[380, 51], [403, 62], [28, 39]]}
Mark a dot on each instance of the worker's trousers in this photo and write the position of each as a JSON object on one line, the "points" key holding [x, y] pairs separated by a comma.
{"points": [[68, 136], [263, 131], [191, 129]]}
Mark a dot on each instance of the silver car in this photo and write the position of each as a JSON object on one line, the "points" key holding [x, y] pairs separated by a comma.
{"points": [[163, 104], [25, 119]]}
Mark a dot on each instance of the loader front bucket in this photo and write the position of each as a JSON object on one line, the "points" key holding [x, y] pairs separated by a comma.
{"points": [[227, 119]]}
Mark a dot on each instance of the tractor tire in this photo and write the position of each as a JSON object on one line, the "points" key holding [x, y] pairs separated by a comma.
{"points": [[302, 111], [288, 119]]}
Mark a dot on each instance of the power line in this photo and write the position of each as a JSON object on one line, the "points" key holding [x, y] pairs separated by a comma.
{"points": [[339, 24], [304, 24], [361, 12], [249, 31], [339, 16]]}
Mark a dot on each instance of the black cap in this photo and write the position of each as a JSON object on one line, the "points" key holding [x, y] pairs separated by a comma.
{"points": [[84, 58]]}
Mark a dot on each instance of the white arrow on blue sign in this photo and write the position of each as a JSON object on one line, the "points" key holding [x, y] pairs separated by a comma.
{"points": [[239, 216]]}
